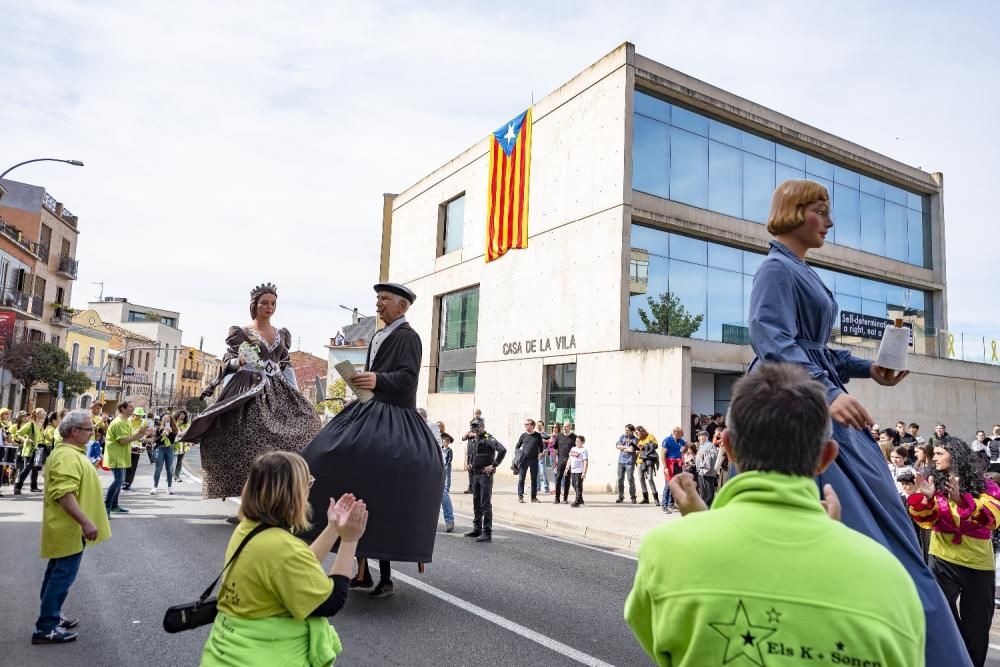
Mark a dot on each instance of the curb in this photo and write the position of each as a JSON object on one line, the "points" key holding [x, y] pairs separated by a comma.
{"points": [[556, 527]]}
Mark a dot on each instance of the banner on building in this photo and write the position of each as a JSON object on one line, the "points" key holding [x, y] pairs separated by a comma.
{"points": [[7, 322], [867, 326], [510, 167]]}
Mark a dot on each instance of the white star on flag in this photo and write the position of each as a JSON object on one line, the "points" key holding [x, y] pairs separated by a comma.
{"points": [[510, 136]]}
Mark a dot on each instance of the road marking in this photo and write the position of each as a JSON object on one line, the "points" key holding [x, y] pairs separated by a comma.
{"points": [[507, 624], [557, 539]]}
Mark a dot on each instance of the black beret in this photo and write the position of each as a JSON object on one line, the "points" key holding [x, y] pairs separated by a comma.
{"points": [[397, 289]]}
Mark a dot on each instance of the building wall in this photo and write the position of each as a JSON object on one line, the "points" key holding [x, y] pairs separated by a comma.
{"points": [[163, 373], [87, 331]]}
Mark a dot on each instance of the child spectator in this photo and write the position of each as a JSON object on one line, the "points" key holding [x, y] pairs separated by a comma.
{"points": [[578, 464]]}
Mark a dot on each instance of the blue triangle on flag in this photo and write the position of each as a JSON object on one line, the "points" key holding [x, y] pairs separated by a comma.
{"points": [[508, 133]]}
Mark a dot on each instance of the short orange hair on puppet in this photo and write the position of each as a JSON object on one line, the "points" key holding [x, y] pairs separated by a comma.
{"points": [[789, 202]]}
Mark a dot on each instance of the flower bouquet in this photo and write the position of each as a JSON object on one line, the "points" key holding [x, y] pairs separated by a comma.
{"points": [[249, 354]]}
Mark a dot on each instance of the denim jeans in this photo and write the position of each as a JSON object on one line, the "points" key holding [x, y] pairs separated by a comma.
{"points": [[446, 507], [163, 455], [447, 479], [544, 472], [626, 470], [59, 576], [111, 497]]}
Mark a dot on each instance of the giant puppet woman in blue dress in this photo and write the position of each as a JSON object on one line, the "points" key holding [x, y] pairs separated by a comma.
{"points": [[792, 314]]}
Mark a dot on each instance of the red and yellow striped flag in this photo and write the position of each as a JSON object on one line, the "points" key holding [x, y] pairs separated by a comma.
{"points": [[510, 165]]}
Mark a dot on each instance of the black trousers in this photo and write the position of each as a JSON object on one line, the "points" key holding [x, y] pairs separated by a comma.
{"points": [[384, 569], [482, 501], [562, 479], [149, 453], [130, 474], [529, 464], [470, 481], [974, 611], [706, 488], [27, 467], [578, 486], [647, 473], [177, 467]]}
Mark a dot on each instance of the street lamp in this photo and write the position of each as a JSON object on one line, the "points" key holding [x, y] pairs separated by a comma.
{"points": [[75, 163]]}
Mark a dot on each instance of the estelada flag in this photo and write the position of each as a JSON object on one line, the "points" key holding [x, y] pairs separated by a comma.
{"points": [[510, 165]]}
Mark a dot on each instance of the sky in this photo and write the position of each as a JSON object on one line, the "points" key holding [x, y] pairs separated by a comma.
{"points": [[232, 143]]}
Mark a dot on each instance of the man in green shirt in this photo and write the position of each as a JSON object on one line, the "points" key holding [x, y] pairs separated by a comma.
{"points": [[117, 456], [768, 574], [72, 515]]}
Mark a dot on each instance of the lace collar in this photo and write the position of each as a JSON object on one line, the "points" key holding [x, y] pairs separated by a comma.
{"points": [[277, 339]]}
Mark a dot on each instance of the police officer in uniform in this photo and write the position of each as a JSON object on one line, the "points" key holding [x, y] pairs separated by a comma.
{"points": [[485, 455]]}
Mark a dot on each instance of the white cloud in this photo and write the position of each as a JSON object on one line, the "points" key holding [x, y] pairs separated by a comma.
{"points": [[231, 143]]}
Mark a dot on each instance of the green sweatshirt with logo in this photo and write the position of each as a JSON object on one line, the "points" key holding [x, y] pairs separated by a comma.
{"points": [[767, 578]]}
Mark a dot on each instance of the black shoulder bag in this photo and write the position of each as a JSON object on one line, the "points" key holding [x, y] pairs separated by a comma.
{"points": [[202, 611]]}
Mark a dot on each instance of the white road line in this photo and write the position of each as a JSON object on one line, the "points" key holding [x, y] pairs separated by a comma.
{"points": [[556, 539], [504, 623]]}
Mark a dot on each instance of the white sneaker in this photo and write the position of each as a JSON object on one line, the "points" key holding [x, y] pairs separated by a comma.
{"points": [[170, 491], [152, 491]]}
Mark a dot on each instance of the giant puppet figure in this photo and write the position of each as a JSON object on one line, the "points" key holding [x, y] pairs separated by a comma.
{"points": [[792, 313], [382, 451], [260, 408]]}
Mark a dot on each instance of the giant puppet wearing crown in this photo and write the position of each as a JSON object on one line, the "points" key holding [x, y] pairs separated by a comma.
{"points": [[260, 408]]}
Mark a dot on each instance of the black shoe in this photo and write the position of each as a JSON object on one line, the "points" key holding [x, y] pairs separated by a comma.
{"points": [[467, 491], [234, 520], [633, 501], [365, 582], [17, 490], [383, 590], [620, 500], [68, 623], [656, 499], [485, 537], [534, 500], [644, 501], [35, 489], [56, 636], [449, 527], [520, 499], [557, 500], [474, 533], [576, 503]]}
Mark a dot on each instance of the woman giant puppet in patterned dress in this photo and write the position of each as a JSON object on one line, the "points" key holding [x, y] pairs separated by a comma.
{"points": [[792, 313], [260, 408]]}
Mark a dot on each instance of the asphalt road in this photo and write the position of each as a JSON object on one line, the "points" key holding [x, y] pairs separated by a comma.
{"points": [[521, 600]]}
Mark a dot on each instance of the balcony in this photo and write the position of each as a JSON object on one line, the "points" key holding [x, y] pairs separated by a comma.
{"points": [[58, 210], [68, 267], [62, 317], [18, 302], [15, 235], [37, 307]]}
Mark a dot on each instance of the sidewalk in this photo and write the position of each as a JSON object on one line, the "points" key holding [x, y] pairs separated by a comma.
{"points": [[600, 521]]}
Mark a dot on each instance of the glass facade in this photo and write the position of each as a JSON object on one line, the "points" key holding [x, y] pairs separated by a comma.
{"points": [[460, 319], [456, 382], [560, 394], [688, 287], [690, 158]]}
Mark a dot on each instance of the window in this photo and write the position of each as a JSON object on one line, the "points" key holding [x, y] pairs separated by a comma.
{"points": [[103, 353], [166, 354], [90, 355], [458, 321], [169, 321], [65, 251], [688, 278], [175, 356], [44, 242], [453, 225], [688, 157], [136, 316], [560, 394], [60, 294], [75, 356]]}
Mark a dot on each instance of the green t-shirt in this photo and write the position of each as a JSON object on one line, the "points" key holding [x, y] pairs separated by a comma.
{"points": [[767, 576], [68, 470], [276, 574], [116, 455], [31, 435]]}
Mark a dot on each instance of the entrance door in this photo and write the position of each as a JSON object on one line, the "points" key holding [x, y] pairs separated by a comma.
{"points": [[560, 393]]}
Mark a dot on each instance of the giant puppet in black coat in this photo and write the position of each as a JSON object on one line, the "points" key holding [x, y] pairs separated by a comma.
{"points": [[383, 452]]}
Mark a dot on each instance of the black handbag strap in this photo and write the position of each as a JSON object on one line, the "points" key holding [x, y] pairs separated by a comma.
{"points": [[256, 531]]}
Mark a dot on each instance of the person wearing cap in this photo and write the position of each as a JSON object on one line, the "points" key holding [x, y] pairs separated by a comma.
{"points": [[382, 451], [260, 408], [487, 453]]}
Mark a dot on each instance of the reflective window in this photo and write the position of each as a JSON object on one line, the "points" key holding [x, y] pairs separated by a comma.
{"points": [[758, 186], [459, 319], [688, 168], [847, 216], [724, 179], [703, 289], [651, 156], [686, 156], [454, 223]]}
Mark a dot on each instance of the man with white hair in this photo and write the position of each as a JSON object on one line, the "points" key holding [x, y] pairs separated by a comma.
{"points": [[72, 516], [382, 450]]}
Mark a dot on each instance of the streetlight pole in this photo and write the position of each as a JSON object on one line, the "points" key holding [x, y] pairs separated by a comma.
{"points": [[75, 163]]}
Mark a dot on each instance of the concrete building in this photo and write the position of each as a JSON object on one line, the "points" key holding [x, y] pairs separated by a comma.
{"points": [[159, 325], [648, 194], [37, 267], [350, 344], [88, 343]]}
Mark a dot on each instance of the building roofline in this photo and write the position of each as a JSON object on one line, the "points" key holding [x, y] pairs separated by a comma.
{"points": [[161, 311]]}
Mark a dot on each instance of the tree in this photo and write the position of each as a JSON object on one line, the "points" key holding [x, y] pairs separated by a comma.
{"points": [[74, 384], [670, 317], [152, 316], [31, 362], [336, 394]]}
